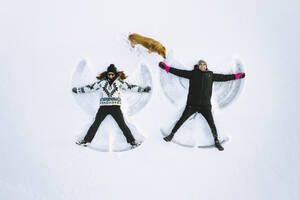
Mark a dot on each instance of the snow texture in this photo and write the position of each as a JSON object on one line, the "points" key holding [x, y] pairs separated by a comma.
{"points": [[43, 41]]}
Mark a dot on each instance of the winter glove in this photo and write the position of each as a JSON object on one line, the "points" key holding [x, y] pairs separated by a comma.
{"points": [[74, 90], [147, 89], [239, 75], [164, 66]]}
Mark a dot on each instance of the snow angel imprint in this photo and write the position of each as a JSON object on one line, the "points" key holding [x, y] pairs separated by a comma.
{"points": [[199, 95], [111, 83]]}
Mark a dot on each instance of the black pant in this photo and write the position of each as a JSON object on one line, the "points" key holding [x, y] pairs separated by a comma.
{"points": [[189, 110], [116, 113]]}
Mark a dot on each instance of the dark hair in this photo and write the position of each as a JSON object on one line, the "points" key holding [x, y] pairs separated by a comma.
{"points": [[120, 74]]}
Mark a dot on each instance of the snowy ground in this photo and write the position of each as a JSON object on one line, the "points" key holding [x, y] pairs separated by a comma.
{"points": [[42, 42]]}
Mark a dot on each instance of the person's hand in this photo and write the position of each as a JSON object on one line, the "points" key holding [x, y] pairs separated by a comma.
{"points": [[74, 90], [161, 65], [240, 75], [147, 89], [164, 66]]}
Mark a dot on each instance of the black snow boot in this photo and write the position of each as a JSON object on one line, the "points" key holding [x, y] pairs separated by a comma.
{"points": [[82, 142], [169, 137], [218, 145], [134, 144]]}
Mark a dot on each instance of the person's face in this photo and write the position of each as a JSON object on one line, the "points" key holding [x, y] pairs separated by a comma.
{"points": [[202, 66], [111, 75]]}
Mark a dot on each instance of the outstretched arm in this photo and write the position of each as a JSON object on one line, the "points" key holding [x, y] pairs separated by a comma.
{"points": [[134, 88], [88, 88], [177, 72], [227, 77]]}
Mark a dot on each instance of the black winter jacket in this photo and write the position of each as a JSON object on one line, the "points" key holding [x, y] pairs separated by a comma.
{"points": [[201, 83]]}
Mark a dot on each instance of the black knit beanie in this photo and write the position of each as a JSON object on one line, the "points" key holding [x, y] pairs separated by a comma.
{"points": [[112, 68]]}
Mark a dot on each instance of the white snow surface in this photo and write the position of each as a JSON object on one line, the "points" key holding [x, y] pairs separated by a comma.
{"points": [[42, 42]]}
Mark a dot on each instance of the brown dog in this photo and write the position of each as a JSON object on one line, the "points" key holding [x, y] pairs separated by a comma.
{"points": [[149, 43]]}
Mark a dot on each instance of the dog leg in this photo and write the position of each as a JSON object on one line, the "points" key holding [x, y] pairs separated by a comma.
{"points": [[132, 44]]}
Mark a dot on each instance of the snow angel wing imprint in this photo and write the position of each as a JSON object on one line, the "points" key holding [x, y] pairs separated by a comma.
{"points": [[174, 87], [226, 93], [83, 75], [136, 102]]}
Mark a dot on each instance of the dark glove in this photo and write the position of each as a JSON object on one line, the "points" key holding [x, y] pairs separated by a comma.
{"points": [[160, 64], [74, 90], [164, 66], [239, 75], [147, 89]]}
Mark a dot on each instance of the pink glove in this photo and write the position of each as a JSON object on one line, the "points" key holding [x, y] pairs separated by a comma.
{"points": [[239, 75], [164, 66]]}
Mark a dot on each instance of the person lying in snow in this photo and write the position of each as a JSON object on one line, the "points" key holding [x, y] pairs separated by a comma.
{"points": [[110, 84], [199, 95]]}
